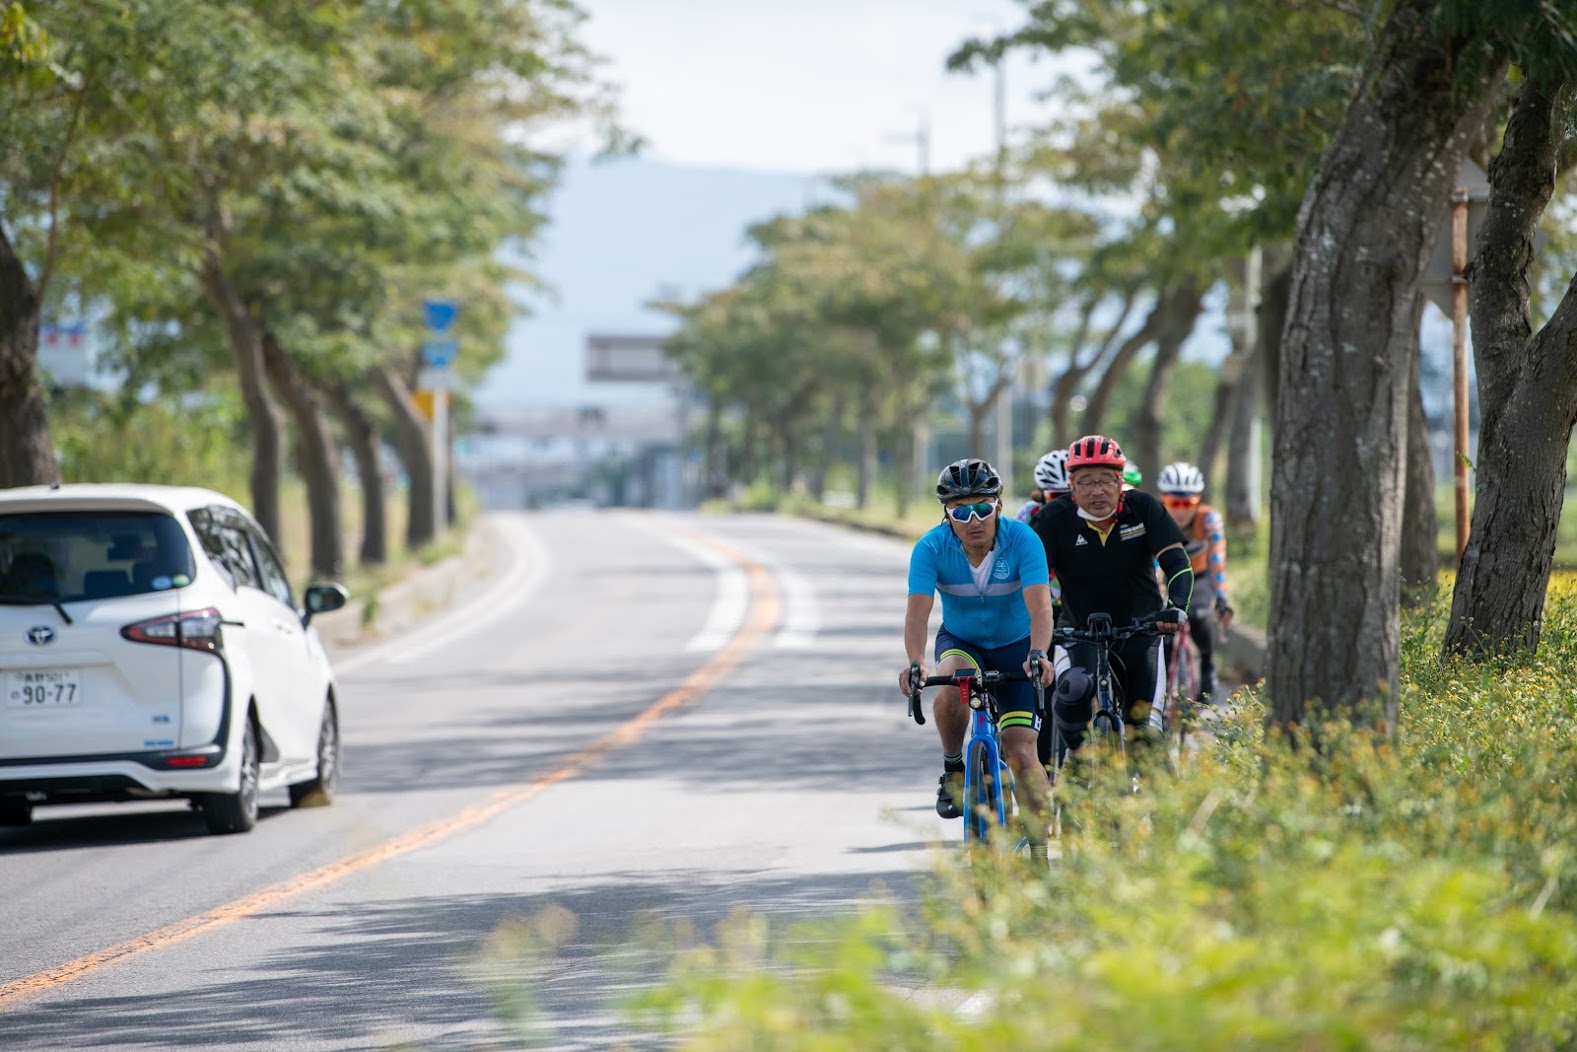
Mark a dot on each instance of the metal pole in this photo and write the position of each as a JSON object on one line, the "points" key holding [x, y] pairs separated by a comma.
{"points": [[1459, 203], [1004, 433], [440, 460]]}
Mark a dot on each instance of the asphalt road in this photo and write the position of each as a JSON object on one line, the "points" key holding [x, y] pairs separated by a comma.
{"points": [[642, 718]]}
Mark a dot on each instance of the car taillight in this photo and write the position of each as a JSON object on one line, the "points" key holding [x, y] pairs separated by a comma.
{"points": [[198, 629]]}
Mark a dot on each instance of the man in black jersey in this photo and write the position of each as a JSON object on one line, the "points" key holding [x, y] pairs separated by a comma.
{"points": [[1104, 546]]}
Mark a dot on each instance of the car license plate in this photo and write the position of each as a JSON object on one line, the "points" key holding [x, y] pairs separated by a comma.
{"points": [[40, 688]]}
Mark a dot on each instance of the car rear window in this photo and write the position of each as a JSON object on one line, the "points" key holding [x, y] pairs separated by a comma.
{"points": [[75, 555]]}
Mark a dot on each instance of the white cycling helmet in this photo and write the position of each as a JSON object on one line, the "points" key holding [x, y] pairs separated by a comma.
{"points": [[1181, 478], [1051, 472]]}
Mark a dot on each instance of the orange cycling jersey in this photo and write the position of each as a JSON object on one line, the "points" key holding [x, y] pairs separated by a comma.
{"points": [[1207, 550]]}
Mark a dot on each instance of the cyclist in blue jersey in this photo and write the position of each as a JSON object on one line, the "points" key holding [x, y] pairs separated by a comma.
{"points": [[996, 614]]}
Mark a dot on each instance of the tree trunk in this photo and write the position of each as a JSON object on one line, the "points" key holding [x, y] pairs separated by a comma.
{"points": [[1527, 399], [979, 413], [867, 472], [361, 434], [27, 456], [1067, 384], [1241, 493], [1274, 305], [713, 464], [316, 458], [831, 436], [1365, 229], [788, 440], [904, 458], [1244, 450], [1100, 400], [1183, 308], [1231, 371], [410, 441], [263, 416], [1420, 526], [1228, 378]]}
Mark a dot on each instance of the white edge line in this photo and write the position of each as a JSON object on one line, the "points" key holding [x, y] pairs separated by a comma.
{"points": [[802, 619], [524, 576]]}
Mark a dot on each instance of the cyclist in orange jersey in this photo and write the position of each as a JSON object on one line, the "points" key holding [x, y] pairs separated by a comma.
{"points": [[1182, 486]]}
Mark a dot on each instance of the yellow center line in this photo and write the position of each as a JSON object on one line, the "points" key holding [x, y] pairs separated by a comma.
{"points": [[764, 610]]}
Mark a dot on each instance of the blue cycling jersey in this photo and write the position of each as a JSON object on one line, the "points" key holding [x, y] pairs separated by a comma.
{"points": [[995, 616]]}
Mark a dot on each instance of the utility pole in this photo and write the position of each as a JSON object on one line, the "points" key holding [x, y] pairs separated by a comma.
{"points": [[1005, 397], [1459, 385], [920, 436]]}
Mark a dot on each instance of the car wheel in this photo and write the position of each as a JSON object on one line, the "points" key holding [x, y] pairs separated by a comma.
{"points": [[236, 812], [14, 811], [319, 792]]}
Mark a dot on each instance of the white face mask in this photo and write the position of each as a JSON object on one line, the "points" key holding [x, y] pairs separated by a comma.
{"points": [[1087, 517]]}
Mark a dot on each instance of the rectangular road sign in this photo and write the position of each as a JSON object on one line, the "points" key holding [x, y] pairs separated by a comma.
{"points": [[435, 380], [439, 354]]}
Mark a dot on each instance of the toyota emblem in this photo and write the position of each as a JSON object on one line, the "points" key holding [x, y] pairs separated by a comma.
{"points": [[38, 635]]}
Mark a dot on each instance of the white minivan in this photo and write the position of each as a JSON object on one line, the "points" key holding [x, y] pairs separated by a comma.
{"points": [[151, 647]]}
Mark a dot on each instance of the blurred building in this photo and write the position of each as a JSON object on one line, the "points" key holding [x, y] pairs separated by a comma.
{"points": [[616, 455]]}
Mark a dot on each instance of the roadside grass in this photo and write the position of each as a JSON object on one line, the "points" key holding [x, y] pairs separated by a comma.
{"points": [[367, 582], [1412, 892]]}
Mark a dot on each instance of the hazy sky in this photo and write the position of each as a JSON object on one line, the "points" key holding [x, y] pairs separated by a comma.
{"points": [[807, 85]]}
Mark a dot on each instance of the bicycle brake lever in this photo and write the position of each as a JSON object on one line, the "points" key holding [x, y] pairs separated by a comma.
{"points": [[1040, 688], [915, 708]]}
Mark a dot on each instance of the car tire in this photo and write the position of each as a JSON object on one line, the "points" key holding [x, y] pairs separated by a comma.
{"points": [[319, 792], [236, 812], [15, 811]]}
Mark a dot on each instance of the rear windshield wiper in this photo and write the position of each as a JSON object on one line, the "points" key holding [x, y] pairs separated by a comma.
{"points": [[37, 599]]}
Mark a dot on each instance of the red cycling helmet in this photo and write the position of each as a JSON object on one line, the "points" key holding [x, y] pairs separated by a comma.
{"points": [[1095, 451]]}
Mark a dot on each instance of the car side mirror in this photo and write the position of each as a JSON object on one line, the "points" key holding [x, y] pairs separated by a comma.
{"points": [[321, 598]]}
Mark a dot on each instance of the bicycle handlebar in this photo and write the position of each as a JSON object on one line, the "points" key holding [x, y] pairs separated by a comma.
{"points": [[988, 678], [1101, 629]]}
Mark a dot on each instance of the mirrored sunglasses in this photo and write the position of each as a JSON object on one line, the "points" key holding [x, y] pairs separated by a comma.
{"points": [[980, 510], [1179, 502]]}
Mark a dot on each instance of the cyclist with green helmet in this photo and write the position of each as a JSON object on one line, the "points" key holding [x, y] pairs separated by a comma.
{"points": [[1133, 478]]}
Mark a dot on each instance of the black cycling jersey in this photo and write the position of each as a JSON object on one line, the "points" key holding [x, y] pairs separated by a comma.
{"points": [[1115, 573]]}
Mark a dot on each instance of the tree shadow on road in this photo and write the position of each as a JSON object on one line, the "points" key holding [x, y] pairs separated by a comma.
{"points": [[452, 972]]}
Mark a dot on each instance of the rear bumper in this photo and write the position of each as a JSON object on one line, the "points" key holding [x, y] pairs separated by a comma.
{"points": [[152, 774], [109, 778]]}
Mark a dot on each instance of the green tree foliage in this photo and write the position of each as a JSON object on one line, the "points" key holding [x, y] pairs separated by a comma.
{"points": [[305, 172]]}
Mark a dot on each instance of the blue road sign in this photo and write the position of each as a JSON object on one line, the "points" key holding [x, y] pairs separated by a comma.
{"points": [[440, 314], [439, 354]]}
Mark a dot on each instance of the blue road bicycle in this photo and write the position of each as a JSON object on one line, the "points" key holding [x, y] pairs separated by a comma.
{"points": [[988, 780]]}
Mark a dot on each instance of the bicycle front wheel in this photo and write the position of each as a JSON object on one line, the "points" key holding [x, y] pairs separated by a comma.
{"points": [[984, 791]]}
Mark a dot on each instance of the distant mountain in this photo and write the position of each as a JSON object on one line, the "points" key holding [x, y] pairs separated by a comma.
{"points": [[623, 233]]}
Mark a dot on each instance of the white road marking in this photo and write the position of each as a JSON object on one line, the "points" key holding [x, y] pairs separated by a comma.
{"points": [[525, 576], [729, 604], [802, 615]]}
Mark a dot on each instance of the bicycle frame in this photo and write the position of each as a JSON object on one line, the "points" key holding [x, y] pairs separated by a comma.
{"points": [[980, 815], [1182, 677], [982, 748], [1107, 719]]}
